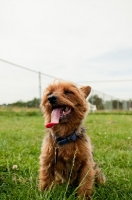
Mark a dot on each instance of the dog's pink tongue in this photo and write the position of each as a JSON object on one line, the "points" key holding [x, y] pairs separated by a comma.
{"points": [[55, 116]]}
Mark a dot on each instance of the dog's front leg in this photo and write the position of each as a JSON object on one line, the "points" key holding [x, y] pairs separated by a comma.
{"points": [[46, 172], [86, 181], [46, 178]]}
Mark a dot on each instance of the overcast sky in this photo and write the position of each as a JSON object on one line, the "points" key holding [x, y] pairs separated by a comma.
{"points": [[77, 40]]}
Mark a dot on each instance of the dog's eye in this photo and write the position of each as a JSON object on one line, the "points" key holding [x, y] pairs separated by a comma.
{"points": [[49, 93], [68, 92]]}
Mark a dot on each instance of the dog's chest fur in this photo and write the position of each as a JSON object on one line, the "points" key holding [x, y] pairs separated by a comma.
{"points": [[68, 163], [66, 158]]}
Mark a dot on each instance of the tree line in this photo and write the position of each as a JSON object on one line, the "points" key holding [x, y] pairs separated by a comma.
{"points": [[100, 103], [35, 103]]}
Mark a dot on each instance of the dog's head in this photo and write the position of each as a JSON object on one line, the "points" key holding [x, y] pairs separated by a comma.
{"points": [[64, 104]]}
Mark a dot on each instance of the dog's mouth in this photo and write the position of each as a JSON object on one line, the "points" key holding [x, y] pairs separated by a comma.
{"points": [[57, 114]]}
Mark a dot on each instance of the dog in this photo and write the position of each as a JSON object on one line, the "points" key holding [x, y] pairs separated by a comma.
{"points": [[67, 153]]}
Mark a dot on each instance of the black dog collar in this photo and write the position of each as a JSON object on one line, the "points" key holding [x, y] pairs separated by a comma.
{"points": [[65, 140]]}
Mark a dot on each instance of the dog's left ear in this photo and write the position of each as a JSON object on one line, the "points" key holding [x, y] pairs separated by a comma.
{"points": [[86, 90]]}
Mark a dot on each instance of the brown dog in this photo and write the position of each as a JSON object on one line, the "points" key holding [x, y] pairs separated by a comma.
{"points": [[67, 152]]}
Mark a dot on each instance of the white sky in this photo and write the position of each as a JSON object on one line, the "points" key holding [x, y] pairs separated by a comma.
{"points": [[76, 40]]}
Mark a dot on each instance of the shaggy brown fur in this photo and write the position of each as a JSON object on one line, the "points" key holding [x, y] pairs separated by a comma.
{"points": [[74, 160]]}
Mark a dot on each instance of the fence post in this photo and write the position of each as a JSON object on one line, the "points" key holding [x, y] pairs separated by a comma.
{"points": [[92, 97], [117, 104], [104, 101], [39, 73], [111, 103], [129, 104], [124, 105]]}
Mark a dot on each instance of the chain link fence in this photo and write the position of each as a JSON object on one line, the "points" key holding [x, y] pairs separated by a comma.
{"points": [[106, 102], [22, 86]]}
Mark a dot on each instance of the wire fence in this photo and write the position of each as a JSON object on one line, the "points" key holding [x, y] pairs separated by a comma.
{"points": [[106, 102], [20, 84]]}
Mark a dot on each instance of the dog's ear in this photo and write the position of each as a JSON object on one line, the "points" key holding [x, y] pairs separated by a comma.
{"points": [[86, 90]]}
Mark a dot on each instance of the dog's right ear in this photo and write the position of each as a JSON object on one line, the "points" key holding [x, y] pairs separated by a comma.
{"points": [[86, 90]]}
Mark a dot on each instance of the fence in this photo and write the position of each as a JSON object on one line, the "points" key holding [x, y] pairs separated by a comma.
{"points": [[21, 84], [107, 102]]}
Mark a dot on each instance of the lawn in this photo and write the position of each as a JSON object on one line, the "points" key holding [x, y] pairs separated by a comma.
{"points": [[21, 134]]}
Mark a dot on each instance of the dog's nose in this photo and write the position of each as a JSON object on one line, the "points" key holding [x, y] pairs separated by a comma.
{"points": [[52, 99]]}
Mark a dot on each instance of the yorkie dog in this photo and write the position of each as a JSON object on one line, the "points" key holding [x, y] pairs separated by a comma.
{"points": [[67, 153]]}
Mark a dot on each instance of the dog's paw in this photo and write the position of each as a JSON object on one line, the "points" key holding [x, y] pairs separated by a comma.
{"points": [[100, 178], [42, 185]]}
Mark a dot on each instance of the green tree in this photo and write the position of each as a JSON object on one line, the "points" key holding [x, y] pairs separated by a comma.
{"points": [[96, 101]]}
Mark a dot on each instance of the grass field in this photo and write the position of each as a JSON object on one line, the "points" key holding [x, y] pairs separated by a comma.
{"points": [[21, 134]]}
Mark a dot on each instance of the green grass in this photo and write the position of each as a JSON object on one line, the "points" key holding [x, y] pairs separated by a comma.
{"points": [[21, 134]]}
